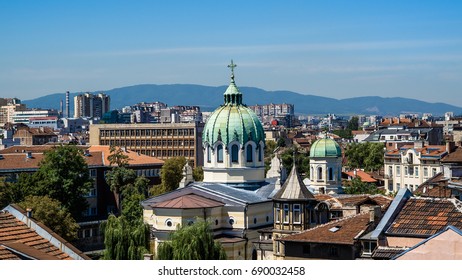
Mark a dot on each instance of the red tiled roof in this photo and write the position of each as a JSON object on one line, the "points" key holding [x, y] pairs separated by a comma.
{"points": [[15, 157], [188, 201], [424, 217], [134, 158], [454, 157], [387, 253], [348, 230], [13, 231], [437, 186], [365, 177]]}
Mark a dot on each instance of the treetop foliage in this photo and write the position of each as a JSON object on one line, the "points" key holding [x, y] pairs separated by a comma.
{"points": [[62, 175], [171, 175], [50, 212], [365, 155], [192, 242]]}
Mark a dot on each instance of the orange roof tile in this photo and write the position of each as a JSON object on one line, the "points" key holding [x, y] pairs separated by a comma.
{"points": [[17, 236], [343, 231], [365, 177], [134, 158], [426, 216]]}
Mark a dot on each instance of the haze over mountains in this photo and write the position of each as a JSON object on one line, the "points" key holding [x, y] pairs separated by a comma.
{"points": [[209, 98]]}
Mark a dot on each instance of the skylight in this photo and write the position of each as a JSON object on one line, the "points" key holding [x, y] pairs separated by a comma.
{"points": [[335, 229]]}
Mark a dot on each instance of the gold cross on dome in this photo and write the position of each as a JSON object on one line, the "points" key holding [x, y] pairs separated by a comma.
{"points": [[232, 66]]}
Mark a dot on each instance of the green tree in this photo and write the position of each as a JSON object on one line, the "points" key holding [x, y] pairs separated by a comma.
{"points": [[124, 182], [63, 175], [117, 157], [356, 186], [124, 239], [353, 123], [192, 242], [171, 174], [6, 194], [198, 174], [127, 237], [343, 133], [270, 146], [302, 160], [51, 213], [365, 155], [281, 142]]}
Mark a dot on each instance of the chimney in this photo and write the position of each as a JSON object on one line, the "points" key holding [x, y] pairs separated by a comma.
{"points": [[450, 146], [375, 213], [29, 212]]}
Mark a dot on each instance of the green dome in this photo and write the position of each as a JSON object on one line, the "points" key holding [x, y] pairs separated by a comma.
{"points": [[325, 148], [233, 121]]}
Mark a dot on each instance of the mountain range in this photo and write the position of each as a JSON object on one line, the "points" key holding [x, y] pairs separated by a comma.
{"points": [[209, 98]]}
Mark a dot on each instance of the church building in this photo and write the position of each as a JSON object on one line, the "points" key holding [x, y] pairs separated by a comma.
{"points": [[235, 196]]}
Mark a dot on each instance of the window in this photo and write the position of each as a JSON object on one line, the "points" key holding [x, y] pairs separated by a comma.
{"points": [[368, 247], [398, 171], [319, 173], [278, 213], [220, 153], [260, 152], [169, 222], [416, 171], [296, 213], [234, 153], [331, 174], [231, 220], [311, 173], [425, 172], [93, 173], [390, 170], [433, 172], [286, 213], [249, 153], [405, 170]]}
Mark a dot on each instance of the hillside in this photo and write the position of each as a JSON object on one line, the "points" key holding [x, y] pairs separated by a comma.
{"points": [[210, 97]]}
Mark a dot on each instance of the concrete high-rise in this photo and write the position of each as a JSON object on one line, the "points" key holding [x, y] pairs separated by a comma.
{"points": [[91, 106]]}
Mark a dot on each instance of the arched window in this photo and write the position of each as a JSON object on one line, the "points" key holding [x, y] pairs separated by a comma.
{"points": [[319, 173], [209, 154], [331, 174], [219, 153], [260, 148], [249, 153], [234, 153]]}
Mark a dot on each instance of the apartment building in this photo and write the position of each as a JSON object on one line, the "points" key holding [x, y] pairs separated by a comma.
{"points": [[90, 105], [411, 165]]}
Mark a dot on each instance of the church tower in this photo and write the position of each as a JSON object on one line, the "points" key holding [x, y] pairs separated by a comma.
{"points": [[326, 166], [233, 141]]}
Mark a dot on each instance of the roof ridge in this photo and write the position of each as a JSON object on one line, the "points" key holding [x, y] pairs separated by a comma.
{"points": [[457, 203], [333, 222]]}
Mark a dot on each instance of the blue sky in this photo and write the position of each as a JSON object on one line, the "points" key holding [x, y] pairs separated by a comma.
{"points": [[335, 49]]}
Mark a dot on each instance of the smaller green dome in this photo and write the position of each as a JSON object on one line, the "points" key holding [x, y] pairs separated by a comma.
{"points": [[325, 148]]}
